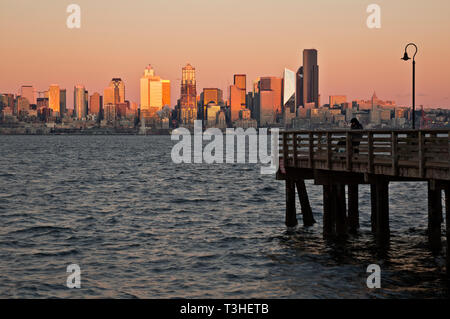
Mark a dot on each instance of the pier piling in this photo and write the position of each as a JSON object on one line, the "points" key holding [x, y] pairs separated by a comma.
{"points": [[328, 213], [434, 217], [382, 211], [308, 218], [291, 214], [353, 209], [373, 206], [340, 209], [447, 225]]}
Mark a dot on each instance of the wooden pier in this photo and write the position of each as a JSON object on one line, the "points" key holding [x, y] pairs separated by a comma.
{"points": [[344, 159]]}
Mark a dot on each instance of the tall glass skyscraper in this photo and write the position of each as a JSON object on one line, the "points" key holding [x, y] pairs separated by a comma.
{"points": [[310, 77], [54, 99], [79, 101]]}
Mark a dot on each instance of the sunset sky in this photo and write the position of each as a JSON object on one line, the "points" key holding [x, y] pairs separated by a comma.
{"points": [[223, 37]]}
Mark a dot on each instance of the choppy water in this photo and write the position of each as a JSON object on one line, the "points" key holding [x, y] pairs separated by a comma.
{"points": [[140, 226]]}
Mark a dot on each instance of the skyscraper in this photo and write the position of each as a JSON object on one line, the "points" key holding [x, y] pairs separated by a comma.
{"points": [[119, 90], [154, 93], [188, 99], [310, 77], [240, 80], [79, 101], [289, 100], [209, 95], [237, 97], [269, 100], [109, 95], [62, 102], [165, 92], [54, 100], [95, 103], [235, 102]]}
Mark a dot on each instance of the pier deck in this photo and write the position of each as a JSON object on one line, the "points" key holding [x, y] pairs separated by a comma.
{"points": [[340, 159]]}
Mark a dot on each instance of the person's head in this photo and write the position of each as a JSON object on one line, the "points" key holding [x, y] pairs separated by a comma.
{"points": [[355, 123]]}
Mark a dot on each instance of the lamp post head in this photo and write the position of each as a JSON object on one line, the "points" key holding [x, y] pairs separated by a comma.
{"points": [[406, 57]]}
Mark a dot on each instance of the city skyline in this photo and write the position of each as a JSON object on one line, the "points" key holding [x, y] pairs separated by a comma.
{"points": [[92, 54]]}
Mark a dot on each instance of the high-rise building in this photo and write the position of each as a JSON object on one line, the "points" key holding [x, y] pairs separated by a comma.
{"points": [[235, 102], [79, 102], [95, 103], [63, 101], [310, 77], [188, 98], [54, 99], [269, 100], [165, 92], [108, 95], [119, 90], [28, 92], [154, 93], [240, 80], [289, 100], [212, 95], [209, 95], [237, 97]]}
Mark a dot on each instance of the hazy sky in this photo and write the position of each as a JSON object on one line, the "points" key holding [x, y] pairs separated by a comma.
{"points": [[222, 37]]}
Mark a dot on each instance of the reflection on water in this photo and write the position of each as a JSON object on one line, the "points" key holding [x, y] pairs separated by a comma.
{"points": [[140, 226]]}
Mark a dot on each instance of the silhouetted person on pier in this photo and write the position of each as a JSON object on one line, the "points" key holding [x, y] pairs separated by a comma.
{"points": [[355, 125]]}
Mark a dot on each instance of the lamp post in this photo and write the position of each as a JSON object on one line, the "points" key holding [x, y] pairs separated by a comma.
{"points": [[406, 58]]}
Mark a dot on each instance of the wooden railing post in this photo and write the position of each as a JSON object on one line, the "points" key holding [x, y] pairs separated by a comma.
{"points": [[349, 151], [311, 150], [394, 153], [329, 150], [294, 146], [370, 151], [285, 150], [421, 141]]}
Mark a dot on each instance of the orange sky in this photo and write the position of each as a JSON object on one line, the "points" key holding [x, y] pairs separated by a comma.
{"points": [[222, 37]]}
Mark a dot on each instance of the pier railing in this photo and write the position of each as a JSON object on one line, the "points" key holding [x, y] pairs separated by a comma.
{"points": [[411, 154]]}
